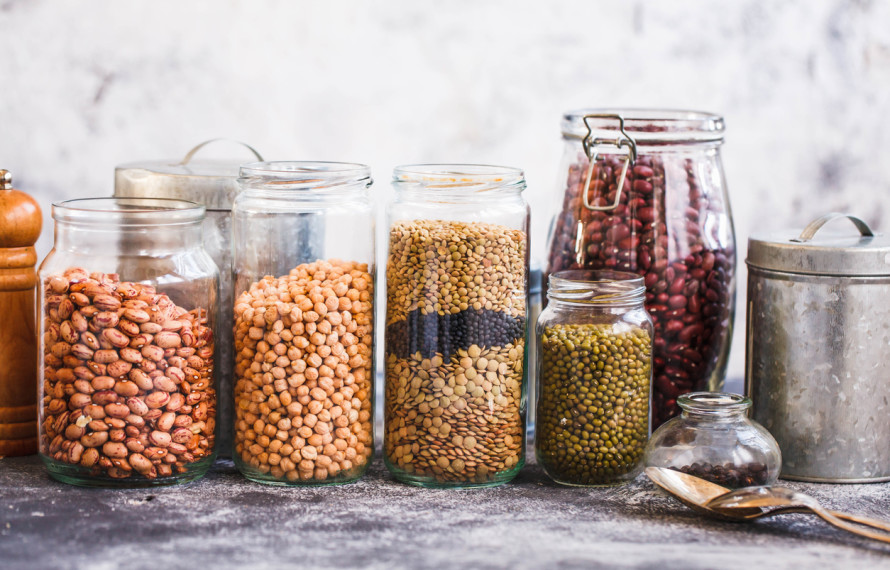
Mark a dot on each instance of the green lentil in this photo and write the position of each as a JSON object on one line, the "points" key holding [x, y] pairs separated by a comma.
{"points": [[593, 404]]}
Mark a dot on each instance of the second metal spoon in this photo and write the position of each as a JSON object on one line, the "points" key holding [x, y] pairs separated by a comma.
{"points": [[701, 495], [782, 499]]}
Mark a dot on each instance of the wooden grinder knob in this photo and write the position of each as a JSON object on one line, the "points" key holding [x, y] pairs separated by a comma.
{"points": [[20, 224]]}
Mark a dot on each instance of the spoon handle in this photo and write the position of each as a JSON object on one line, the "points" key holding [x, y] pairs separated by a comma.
{"points": [[829, 517], [865, 521]]}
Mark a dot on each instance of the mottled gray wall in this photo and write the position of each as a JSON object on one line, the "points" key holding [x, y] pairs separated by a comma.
{"points": [[804, 86]]}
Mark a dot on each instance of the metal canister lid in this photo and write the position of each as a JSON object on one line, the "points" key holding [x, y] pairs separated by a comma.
{"points": [[836, 253], [210, 182]]}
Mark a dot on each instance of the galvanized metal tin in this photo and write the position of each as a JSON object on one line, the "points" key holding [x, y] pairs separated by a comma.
{"points": [[213, 183], [818, 349]]}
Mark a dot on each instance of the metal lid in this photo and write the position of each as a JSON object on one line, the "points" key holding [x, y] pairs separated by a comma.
{"points": [[213, 183], [839, 252]]}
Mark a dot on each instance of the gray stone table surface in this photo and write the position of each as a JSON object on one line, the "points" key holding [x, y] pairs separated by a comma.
{"points": [[224, 521]]}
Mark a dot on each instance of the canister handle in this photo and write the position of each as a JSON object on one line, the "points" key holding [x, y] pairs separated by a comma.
{"points": [[809, 232], [590, 145], [191, 154]]}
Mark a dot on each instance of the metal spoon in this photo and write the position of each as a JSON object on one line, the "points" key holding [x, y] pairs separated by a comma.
{"points": [[784, 498], [701, 496]]}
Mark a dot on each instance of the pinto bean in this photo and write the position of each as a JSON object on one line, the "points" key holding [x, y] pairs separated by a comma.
{"points": [[121, 378]]}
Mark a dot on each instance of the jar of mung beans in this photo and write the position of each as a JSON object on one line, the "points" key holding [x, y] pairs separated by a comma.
{"points": [[456, 306], [303, 237], [643, 191], [594, 376], [128, 305]]}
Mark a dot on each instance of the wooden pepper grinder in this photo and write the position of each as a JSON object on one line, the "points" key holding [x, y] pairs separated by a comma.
{"points": [[20, 224]]}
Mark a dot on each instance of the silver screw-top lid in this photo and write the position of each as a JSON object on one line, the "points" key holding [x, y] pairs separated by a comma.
{"points": [[814, 252], [212, 183], [5, 179]]}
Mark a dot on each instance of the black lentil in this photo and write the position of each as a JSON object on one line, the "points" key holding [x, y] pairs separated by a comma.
{"points": [[728, 474], [445, 334]]}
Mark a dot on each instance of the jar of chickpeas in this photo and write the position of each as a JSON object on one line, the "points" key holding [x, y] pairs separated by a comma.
{"points": [[303, 235]]}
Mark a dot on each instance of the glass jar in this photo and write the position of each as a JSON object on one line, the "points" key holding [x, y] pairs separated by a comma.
{"points": [[456, 278], [714, 439], [127, 386], [669, 221], [213, 183], [594, 378], [303, 235]]}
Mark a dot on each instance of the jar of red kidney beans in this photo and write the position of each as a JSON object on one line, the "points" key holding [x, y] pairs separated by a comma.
{"points": [[644, 191]]}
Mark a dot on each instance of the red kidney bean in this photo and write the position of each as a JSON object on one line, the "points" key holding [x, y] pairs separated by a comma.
{"points": [[677, 286], [677, 301]]}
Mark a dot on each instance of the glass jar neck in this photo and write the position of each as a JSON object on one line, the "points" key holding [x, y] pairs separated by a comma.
{"points": [[131, 226], [714, 406], [603, 291], [457, 183], [646, 127], [304, 181]]}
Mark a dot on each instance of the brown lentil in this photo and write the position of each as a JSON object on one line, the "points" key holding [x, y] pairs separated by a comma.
{"points": [[593, 407], [303, 374]]}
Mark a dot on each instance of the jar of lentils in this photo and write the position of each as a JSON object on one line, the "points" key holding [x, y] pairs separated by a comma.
{"points": [[128, 304], [594, 376], [303, 238], [456, 278], [643, 191]]}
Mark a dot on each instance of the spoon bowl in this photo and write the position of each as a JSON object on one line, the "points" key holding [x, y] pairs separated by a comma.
{"points": [[696, 493]]}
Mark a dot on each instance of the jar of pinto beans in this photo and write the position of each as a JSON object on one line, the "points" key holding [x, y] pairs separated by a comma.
{"points": [[643, 191], [128, 305], [303, 235]]}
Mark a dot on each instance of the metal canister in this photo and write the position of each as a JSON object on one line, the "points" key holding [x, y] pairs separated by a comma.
{"points": [[212, 183], [818, 349]]}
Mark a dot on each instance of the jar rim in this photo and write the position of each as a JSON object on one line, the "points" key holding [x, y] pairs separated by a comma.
{"points": [[715, 403], [128, 211], [648, 126], [458, 179], [304, 175], [596, 287]]}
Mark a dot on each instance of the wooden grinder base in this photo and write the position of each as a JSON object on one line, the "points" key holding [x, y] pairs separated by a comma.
{"points": [[20, 222]]}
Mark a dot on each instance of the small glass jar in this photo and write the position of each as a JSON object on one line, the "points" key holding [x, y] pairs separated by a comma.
{"points": [[594, 378], [643, 191], [456, 281], [128, 304], [303, 238], [714, 439]]}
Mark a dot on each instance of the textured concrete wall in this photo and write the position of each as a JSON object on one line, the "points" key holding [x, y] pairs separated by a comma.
{"points": [[804, 86]]}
